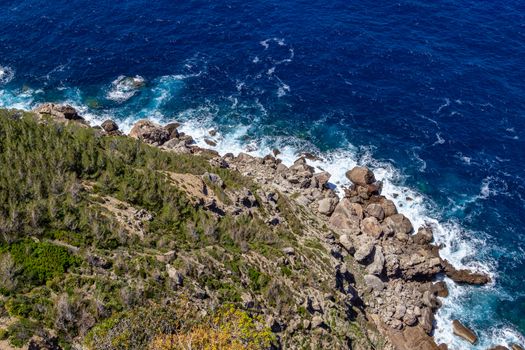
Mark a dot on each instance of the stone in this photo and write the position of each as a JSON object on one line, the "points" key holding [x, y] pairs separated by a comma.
{"points": [[499, 347], [443, 346], [317, 321], [463, 275], [213, 179], [440, 289], [388, 207], [347, 215], [345, 241], [516, 347], [322, 178], [175, 275], [109, 126], [400, 223], [410, 319], [374, 282], [400, 312], [171, 128], [326, 206], [427, 320], [247, 300], [370, 226], [378, 263], [464, 332], [375, 210], [288, 251], [149, 132], [424, 235], [210, 142], [363, 252], [59, 112], [361, 176]]}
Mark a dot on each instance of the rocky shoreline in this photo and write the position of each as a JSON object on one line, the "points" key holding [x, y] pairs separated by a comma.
{"points": [[387, 268]]}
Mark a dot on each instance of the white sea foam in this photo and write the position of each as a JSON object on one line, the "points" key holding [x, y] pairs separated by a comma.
{"points": [[123, 88], [6, 74]]}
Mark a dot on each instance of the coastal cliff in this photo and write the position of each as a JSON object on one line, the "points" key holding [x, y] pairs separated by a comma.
{"points": [[145, 241]]}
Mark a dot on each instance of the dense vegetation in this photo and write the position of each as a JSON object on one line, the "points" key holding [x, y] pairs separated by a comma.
{"points": [[68, 265]]}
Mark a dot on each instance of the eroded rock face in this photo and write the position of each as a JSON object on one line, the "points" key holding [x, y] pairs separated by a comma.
{"points": [[464, 332], [361, 176], [149, 132]]}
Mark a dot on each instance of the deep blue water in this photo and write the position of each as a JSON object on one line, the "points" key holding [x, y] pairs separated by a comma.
{"points": [[434, 92]]}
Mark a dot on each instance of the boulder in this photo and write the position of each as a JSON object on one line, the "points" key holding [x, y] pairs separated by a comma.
{"points": [[374, 282], [464, 332], [378, 263], [401, 225], [370, 226], [175, 275], [363, 252], [440, 289], [499, 347], [210, 142], [171, 128], [213, 179], [427, 320], [463, 275], [388, 207], [376, 210], [149, 132], [327, 205], [58, 112], [516, 347], [361, 176], [347, 215], [322, 178], [345, 241], [424, 235], [109, 126]]}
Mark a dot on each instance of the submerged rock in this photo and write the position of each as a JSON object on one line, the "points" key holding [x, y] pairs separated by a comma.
{"points": [[463, 275]]}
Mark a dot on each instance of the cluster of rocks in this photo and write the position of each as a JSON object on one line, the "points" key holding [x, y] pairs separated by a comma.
{"points": [[396, 284], [59, 113], [166, 137]]}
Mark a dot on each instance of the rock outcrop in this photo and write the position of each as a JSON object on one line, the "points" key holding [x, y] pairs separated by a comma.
{"points": [[464, 332], [59, 113]]}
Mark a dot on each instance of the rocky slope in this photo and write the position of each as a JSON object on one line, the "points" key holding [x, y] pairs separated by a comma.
{"points": [[322, 271]]}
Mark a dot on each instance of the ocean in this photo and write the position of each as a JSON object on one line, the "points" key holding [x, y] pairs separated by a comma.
{"points": [[431, 95]]}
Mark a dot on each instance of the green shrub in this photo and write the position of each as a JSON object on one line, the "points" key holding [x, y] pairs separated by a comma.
{"points": [[41, 261]]}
